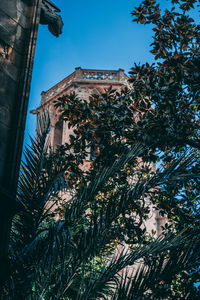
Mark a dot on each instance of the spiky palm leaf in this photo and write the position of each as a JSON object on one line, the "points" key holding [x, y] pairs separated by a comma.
{"points": [[49, 257], [159, 262], [36, 239], [94, 238]]}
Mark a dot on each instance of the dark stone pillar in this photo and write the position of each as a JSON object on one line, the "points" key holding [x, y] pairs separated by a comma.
{"points": [[19, 21]]}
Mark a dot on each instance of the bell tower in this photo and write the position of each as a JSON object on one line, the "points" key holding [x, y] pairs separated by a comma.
{"points": [[83, 82]]}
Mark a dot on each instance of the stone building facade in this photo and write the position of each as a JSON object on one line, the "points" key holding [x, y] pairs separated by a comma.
{"points": [[19, 20], [18, 31], [84, 82]]}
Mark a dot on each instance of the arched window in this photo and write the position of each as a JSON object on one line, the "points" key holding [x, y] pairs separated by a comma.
{"points": [[58, 134]]}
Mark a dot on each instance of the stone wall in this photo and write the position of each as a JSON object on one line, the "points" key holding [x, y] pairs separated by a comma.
{"points": [[19, 21]]}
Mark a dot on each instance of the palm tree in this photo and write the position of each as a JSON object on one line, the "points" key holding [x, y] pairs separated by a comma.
{"points": [[68, 258]]}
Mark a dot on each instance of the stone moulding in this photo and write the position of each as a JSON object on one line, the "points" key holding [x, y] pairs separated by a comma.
{"points": [[89, 76]]}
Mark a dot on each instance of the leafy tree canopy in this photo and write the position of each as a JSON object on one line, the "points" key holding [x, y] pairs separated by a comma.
{"points": [[121, 135]]}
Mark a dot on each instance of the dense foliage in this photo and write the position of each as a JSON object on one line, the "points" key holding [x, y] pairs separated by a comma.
{"points": [[172, 84], [67, 249], [72, 257]]}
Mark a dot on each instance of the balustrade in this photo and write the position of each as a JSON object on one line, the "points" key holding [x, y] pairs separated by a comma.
{"points": [[81, 75]]}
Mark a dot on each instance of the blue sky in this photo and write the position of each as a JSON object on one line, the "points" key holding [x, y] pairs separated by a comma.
{"points": [[96, 35]]}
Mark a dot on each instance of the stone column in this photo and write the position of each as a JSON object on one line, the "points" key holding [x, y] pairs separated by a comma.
{"points": [[43, 97], [120, 75], [78, 74]]}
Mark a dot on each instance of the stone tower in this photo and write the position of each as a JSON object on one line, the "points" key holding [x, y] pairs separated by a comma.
{"points": [[85, 82]]}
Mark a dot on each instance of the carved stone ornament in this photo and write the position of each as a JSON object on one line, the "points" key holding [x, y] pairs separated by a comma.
{"points": [[49, 17]]}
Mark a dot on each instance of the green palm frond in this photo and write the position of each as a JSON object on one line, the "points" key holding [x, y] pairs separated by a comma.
{"points": [[37, 240], [57, 256], [169, 256], [94, 237], [153, 277], [95, 234]]}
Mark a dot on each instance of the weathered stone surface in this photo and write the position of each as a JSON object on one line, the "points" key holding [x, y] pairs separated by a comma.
{"points": [[8, 55], [18, 31], [9, 69], [4, 139], [8, 88], [12, 33], [19, 21], [18, 11]]}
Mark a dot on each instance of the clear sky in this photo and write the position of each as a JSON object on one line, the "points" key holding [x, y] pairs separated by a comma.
{"points": [[96, 35]]}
